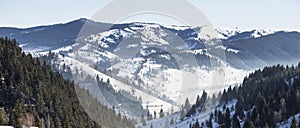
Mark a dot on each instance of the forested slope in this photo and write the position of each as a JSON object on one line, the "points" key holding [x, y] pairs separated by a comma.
{"points": [[267, 96], [31, 94]]}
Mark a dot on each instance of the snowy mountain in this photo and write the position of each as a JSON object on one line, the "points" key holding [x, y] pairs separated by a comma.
{"points": [[161, 64], [229, 35]]}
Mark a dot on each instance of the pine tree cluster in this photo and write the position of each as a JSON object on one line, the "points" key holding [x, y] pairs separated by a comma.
{"points": [[267, 96], [34, 95]]}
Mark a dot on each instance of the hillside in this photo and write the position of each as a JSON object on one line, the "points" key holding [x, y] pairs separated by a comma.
{"points": [[266, 98], [162, 65], [34, 95], [243, 48]]}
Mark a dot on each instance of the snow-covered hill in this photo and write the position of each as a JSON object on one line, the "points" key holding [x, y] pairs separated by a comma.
{"points": [[163, 65]]}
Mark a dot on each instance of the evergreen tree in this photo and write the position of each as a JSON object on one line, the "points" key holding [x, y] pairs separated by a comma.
{"points": [[198, 101], [272, 93], [149, 116], [214, 99], [32, 88], [209, 123], [254, 114], [172, 121], [182, 113], [201, 101], [267, 125], [294, 123], [143, 121], [227, 119], [251, 125], [3, 120], [202, 125], [235, 122], [246, 124], [299, 121], [191, 111], [140, 100], [220, 118], [15, 117], [108, 81], [187, 105], [197, 125], [161, 113]]}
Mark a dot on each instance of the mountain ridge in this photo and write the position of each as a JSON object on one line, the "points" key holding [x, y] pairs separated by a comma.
{"points": [[113, 50]]}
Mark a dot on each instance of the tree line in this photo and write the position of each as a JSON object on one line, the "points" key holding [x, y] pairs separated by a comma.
{"points": [[34, 95]]}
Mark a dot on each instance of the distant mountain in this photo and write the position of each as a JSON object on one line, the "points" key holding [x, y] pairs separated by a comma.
{"points": [[244, 49], [49, 37]]}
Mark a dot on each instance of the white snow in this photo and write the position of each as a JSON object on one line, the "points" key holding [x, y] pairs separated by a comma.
{"points": [[208, 33], [262, 32], [233, 50], [287, 123], [179, 84], [117, 85], [132, 45], [224, 33], [175, 27], [151, 38], [228, 49], [202, 117], [291, 81]]}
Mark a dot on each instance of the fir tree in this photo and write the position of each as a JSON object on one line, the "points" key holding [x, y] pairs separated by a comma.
{"points": [[3, 120], [172, 121], [187, 105], [182, 113], [143, 121], [197, 125], [235, 121], [161, 113], [227, 119], [31, 87], [294, 123]]}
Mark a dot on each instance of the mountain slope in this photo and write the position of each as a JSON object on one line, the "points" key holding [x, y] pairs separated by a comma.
{"points": [[49, 37], [244, 49], [266, 98], [281, 47], [34, 95], [167, 63], [269, 95]]}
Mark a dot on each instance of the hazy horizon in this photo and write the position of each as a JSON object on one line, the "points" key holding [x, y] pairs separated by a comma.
{"points": [[269, 14]]}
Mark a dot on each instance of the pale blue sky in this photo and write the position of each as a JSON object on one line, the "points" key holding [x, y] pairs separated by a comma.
{"points": [[245, 14]]}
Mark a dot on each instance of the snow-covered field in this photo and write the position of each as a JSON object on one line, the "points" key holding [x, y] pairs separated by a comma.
{"points": [[148, 99]]}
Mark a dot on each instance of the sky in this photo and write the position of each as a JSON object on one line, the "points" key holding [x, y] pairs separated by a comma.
{"points": [[244, 14]]}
